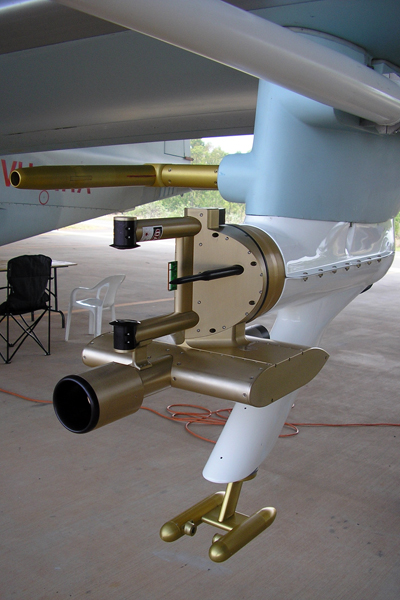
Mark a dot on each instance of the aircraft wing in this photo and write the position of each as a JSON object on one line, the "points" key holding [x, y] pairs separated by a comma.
{"points": [[74, 80]]}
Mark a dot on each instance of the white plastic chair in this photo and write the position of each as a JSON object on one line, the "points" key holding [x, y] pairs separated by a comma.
{"points": [[101, 297]]}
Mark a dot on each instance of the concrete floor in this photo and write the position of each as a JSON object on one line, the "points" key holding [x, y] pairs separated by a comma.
{"points": [[80, 515]]}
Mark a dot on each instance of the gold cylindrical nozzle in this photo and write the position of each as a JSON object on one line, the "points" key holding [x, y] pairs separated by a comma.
{"points": [[105, 394], [71, 177]]}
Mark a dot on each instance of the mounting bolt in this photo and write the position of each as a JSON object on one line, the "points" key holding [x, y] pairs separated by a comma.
{"points": [[189, 528]]}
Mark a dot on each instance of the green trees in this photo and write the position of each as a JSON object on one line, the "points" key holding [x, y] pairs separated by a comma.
{"points": [[397, 229], [202, 154]]}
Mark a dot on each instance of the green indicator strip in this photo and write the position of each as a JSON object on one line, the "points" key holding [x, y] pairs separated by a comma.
{"points": [[172, 274]]}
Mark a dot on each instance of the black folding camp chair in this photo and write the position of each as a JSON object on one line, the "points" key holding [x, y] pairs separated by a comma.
{"points": [[28, 291]]}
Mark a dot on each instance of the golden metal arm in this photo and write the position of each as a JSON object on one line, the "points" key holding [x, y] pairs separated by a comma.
{"points": [[201, 177]]}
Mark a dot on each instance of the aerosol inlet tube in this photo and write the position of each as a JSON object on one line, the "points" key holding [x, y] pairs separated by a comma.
{"points": [[201, 177], [107, 393]]}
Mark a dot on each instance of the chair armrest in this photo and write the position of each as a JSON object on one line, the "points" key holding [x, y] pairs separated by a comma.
{"points": [[76, 291]]}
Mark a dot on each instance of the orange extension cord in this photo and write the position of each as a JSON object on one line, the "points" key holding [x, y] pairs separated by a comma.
{"points": [[26, 397], [204, 416]]}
